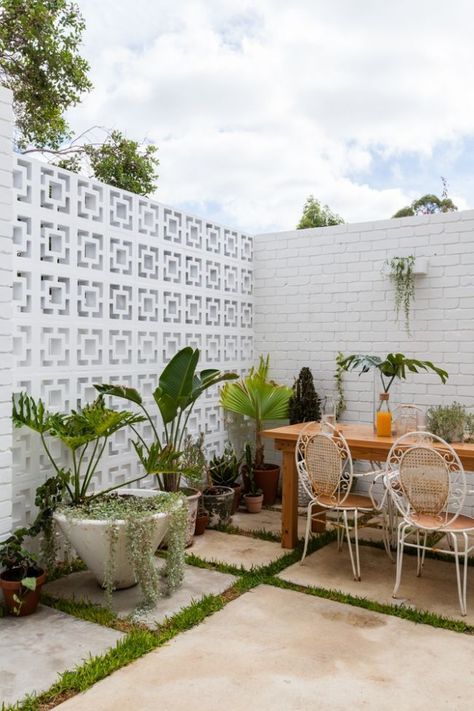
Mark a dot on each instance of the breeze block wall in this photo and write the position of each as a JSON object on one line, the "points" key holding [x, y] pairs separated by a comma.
{"points": [[320, 291], [6, 213], [108, 286]]}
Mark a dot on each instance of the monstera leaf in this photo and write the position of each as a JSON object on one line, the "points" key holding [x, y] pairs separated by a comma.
{"points": [[395, 365]]}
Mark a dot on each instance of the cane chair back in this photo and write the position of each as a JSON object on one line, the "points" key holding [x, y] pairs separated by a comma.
{"points": [[426, 480], [324, 463]]}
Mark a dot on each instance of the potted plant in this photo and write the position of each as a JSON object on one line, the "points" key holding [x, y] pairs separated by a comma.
{"points": [[254, 497], [193, 461], [258, 397], [447, 421], [224, 470], [22, 578], [304, 405], [393, 366], [401, 271], [179, 387], [116, 531]]}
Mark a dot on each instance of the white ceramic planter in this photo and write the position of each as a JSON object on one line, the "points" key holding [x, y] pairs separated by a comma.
{"points": [[90, 540], [192, 498]]}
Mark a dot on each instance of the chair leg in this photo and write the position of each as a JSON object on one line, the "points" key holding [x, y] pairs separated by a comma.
{"points": [[307, 532], [418, 554], [458, 574], [356, 542], [425, 536], [349, 544], [386, 536], [400, 546], [340, 532], [464, 584]]}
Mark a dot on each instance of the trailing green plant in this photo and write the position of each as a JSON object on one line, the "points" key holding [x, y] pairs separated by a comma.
{"points": [[84, 432], [402, 274], [394, 365], [339, 380], [179, 387], [257, 397], [447, 421], [224, 469], [304, 405], [138, 513]]}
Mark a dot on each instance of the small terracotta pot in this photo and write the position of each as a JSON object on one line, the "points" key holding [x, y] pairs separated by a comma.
{"points": [[237, 496], [253, 502], [267, 479], [29, 599], [202, 521], [318, 526]]}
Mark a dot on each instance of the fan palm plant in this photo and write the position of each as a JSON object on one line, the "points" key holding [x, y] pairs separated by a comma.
{"points": [[257, 397]]}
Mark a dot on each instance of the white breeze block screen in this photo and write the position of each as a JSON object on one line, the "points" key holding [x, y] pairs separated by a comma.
{"points": [[108, 286]]}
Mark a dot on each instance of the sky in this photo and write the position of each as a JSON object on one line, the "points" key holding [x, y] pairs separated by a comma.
{"points": [[256, 104]]}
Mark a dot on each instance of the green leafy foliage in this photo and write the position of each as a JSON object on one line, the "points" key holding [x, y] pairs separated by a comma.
{"points": [[395, 365], [179, 388], [259, 398], [317, 215], [447, 421], [40, 63], [304, 405], [429, 204], [401, 272], [224, 469], [84, 432], [339, 380], [124, 163]]}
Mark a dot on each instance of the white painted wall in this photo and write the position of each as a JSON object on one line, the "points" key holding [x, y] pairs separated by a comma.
{"points": [[319, 291], [6, 162]]}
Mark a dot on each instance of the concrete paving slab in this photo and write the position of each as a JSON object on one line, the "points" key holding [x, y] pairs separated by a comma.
{"points": [[435, 591], [197, 583], [219, 547], [266, 520], [286, 651], [34, 650]]}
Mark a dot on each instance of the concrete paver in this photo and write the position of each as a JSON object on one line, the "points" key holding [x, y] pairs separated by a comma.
{"points": [[197, 583], [287, 651], [34, 650], [435, 590], [215, 546]]}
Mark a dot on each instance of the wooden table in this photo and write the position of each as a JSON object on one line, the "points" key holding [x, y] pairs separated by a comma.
{"points": [[364, 444]]}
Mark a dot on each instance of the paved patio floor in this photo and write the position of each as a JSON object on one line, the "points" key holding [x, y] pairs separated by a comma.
{"points": [[243, 551], [197, 583], [281, 650], [35, 650], [435, 590]]}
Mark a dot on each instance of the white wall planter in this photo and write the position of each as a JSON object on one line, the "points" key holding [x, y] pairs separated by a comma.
{"points": [[89, 538]]}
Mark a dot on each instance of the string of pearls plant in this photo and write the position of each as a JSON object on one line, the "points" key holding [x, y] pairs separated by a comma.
{"points": [[138, 513], [402, 274]]}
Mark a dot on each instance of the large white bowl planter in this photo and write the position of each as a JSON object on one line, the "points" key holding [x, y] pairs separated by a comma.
{"points": [[90, 539]]}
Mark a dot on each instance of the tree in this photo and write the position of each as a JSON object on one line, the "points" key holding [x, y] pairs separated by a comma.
{"points": [[317, 215], [40, 63], [429, 204], [117, 161]]}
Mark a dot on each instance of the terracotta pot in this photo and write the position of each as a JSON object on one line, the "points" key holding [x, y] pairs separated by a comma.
{"points": [[253, 502], [267, 479], [218, 502], [202, 522], [237, 496], [318, 526], [29, 598]]}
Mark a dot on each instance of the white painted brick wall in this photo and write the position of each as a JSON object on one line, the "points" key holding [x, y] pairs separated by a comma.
{"points": [[320, 291], [6, 162]]}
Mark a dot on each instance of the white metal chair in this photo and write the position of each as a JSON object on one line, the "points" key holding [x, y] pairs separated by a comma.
{"points": [[427, 484], [324, 465]]}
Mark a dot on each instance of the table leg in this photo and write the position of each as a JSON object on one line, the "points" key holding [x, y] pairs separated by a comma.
{"points": [[289, 514]]}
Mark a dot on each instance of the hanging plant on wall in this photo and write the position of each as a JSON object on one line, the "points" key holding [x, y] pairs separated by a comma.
{"points": [[401, 271]]}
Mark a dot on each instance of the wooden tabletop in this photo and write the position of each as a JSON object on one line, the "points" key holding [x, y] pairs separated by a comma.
{"points": [[362, 440]]}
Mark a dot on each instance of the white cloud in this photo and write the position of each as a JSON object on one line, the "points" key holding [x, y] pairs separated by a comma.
{"points": [[254, 105]]}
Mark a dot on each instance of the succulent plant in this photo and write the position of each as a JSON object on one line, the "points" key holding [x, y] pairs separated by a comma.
{"points": [[225, 469]]}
